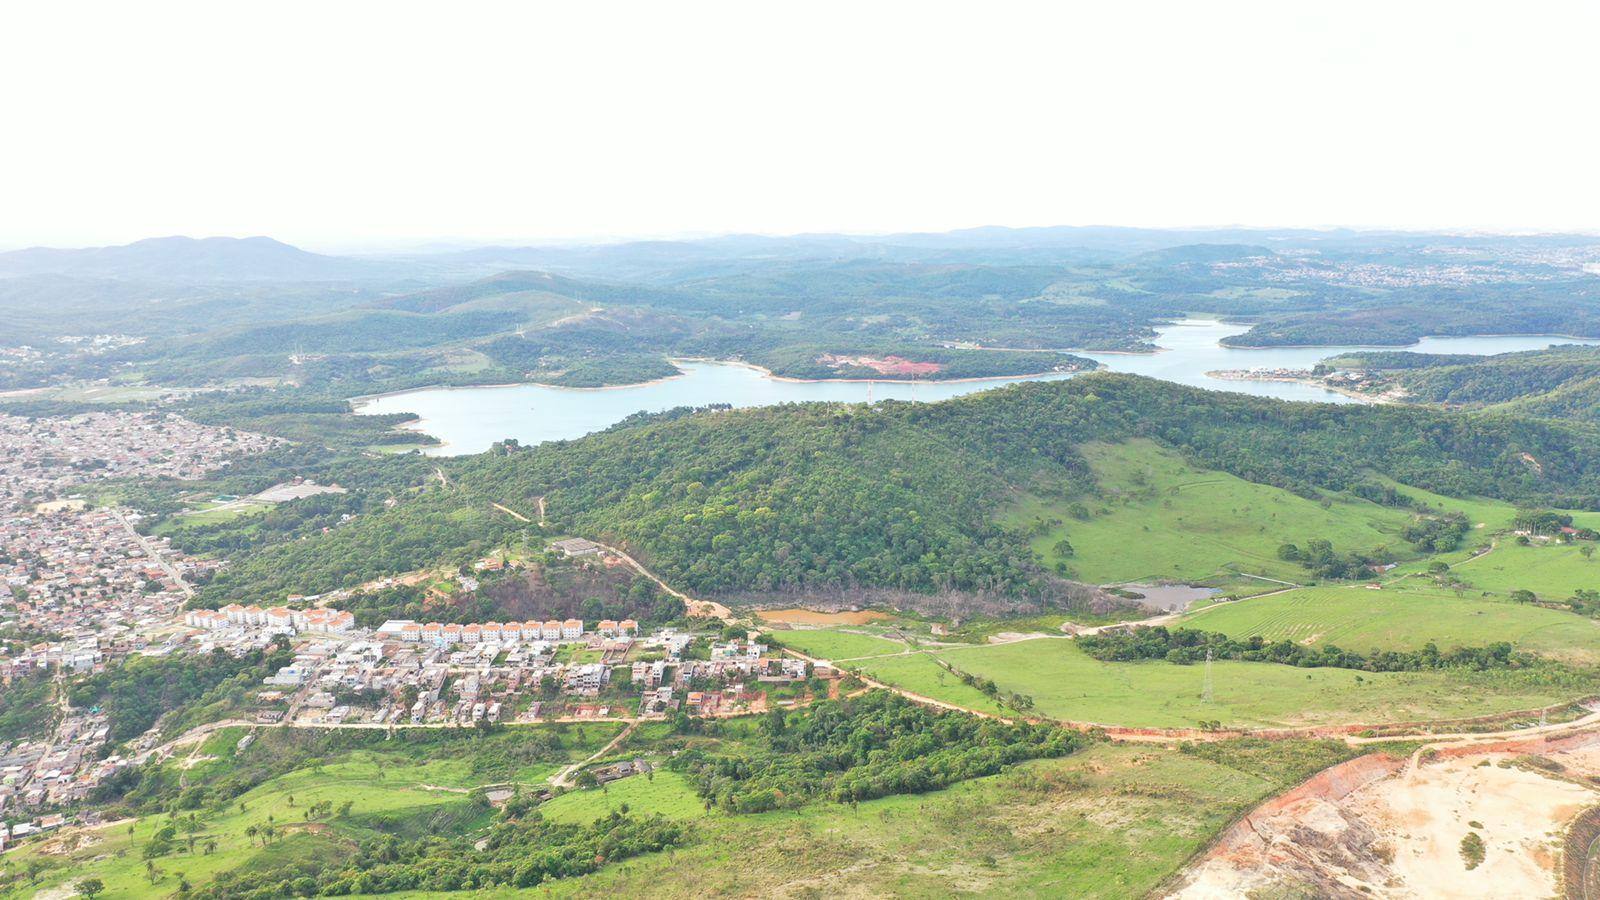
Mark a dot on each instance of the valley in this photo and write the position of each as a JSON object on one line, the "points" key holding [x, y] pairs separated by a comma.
{"points": [[638, 622]]}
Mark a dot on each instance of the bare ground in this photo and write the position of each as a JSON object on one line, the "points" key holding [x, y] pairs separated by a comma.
{"points": [[1383, 826]]}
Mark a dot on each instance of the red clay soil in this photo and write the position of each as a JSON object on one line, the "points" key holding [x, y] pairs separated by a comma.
{"points": [[1338, 782], [885, 365]]}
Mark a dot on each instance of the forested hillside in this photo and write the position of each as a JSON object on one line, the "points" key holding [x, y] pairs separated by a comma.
{"points": [[903, 496], [1558, 382]]}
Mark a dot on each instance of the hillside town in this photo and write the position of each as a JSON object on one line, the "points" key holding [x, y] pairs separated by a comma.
{"points": [[410, 673], [86, 589], [82, 586], [83, 582]]}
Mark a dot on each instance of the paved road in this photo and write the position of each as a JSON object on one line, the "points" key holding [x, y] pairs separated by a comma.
{"points": [[150, 552]]}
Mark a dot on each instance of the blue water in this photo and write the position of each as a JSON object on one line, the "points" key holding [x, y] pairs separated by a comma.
{"points": [[469, 419]]}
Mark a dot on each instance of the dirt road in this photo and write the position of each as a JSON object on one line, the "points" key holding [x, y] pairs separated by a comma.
{"points": [[707, 609], [563, 778], [514, 514]]}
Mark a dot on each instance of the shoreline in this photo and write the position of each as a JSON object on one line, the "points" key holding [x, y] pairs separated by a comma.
{"points": [[419, 425], [1586, 341], [769, 374], [1240, 375], [362, 400]]}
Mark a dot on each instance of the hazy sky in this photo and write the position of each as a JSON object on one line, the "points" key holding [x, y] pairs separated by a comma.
{"points": [[337, 124]]}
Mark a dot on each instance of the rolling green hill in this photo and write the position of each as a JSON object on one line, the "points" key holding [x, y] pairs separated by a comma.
{"points": [[922, 498], [1153, 515], [901, 502], [1404, 618]]}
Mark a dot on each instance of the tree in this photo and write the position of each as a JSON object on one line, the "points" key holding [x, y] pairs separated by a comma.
{"points": [[90, 887], [1588, 552], [1523, 595]]}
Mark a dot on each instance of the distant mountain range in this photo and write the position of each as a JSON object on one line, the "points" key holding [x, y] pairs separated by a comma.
{"points": [[263, 259], [193, 259]]}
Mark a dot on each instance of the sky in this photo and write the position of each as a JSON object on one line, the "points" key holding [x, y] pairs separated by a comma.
{"points": [[353, 125]]}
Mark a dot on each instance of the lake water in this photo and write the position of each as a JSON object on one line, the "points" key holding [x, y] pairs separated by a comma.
{"points": [[1169, 597], [469, 419]]}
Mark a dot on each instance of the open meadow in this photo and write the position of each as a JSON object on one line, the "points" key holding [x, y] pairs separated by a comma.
{"points": [[1159, 517], [1403, 618], [1069, 685], [1551, 570], [837, 644], [392, 786]]}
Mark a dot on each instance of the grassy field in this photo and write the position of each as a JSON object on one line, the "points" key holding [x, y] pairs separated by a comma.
{"points": [[834, 644], [210, 515], [1551, 570], [399, 784], [1160, 517], [1069, 685], [920, 674], [1356, 618], [664, 792], [1111, 822], [1492, 515]]}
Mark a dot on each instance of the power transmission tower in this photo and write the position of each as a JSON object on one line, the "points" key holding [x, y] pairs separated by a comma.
{"points": [[1205, 693]]}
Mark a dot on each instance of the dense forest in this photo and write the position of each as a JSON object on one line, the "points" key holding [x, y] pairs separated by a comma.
{"points": [[862, 748], [1558, 306], [902, 495], [1560, 382]]}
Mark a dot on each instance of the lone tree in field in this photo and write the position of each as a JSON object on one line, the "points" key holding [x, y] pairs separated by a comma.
{"points": [[90, 887]]}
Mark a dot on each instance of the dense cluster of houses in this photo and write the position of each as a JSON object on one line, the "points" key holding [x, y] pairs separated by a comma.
{"points": [[56, 771], [84, 580], [282, 618], [406, 672], [78, 571], [503, 632]]}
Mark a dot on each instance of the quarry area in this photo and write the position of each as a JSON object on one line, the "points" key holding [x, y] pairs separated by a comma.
{"points": [[1387, 826]]}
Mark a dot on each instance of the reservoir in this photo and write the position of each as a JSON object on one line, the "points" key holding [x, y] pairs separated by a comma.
{"points": [[469, 419]]}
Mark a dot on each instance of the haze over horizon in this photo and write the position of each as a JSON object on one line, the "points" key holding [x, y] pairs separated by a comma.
{"points": [[366, 126]]}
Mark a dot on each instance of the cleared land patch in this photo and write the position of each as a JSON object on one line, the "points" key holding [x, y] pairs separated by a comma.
{"points": [[1159, 517], [833, 644], [1067, 684], [1356, 618], [1551, 570]]}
